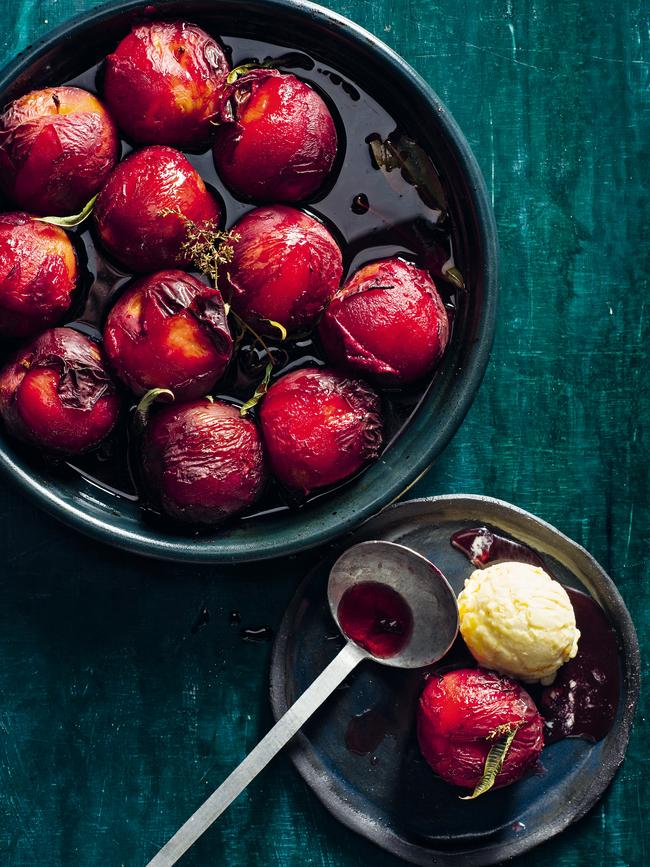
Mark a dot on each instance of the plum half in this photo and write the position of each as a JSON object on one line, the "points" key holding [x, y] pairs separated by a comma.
{"points": [[202, 462], [142, 211], [163, 84], [463, 713], [285, 268], [277, 139], [57, 147], [319, 428], [169, 330], [387, 323], [38, 274], [58, 394]]}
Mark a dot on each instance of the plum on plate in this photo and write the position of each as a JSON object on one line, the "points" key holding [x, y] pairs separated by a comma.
{"points": [[319, 428], [169, 330], [285, 268], [142, 212], [202, 462], [277, 140], [387, 323], [38, 274], [463, 713], [163, 83], [57, 147], [57, 393]]}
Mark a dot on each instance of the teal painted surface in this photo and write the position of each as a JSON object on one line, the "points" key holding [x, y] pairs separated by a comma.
{"points": [[116, 719]]}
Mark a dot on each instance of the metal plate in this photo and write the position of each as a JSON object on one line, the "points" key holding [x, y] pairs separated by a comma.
{"points": [[390, 795]]}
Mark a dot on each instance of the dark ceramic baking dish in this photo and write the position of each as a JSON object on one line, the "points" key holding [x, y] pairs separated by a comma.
{"points": [[333, 40]]}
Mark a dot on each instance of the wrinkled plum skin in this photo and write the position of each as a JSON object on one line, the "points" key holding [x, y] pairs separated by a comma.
{"points": [[387, 323], [57, 393], [202, 462], [286, 267], [38, 274], [169, 330], [130, 212], [57, 147], [319, 428], [163, 84], [457, 712], [277, 140]]}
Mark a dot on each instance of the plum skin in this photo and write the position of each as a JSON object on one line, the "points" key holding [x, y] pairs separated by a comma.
{"points": [[319, 428], [38, 275], [456, 714], [277, 140], [57, 393], [57, 147], [387, 323], [163, 84], [169, 330], [202, 462], [132, 213], [286, 267]]}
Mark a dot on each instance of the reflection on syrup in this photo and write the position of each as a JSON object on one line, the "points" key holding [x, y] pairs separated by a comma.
{"points": [[256, 634], [583, 699], [374, 213], [376, 618]]}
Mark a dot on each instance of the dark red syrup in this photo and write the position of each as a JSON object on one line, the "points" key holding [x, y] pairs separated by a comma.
{"points": [[583, 699], [366, 731], [482, 547], [376, 618], [372, 212]]}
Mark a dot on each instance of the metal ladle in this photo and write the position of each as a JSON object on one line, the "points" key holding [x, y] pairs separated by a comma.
{"points": [[435, 626]]}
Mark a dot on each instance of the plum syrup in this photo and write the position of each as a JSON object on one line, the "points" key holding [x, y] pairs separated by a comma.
{"points": [[376, 618], [373, 213], [583, 699]]}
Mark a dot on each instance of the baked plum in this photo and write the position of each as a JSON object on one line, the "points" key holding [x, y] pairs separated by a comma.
{"points": [[202, 462], [277, 139], [387, 323], [319, 428], [464, 713], [163, 84], [38, 274], [57, 147], [169, 330], [142, 212], [286, 266], [57, 393]]}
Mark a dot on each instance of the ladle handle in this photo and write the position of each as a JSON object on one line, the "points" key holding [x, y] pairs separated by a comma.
{"points": [[281, 733]]}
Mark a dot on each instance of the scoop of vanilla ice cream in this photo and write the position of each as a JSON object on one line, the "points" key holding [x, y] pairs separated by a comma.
{"points": [[515, 619]]}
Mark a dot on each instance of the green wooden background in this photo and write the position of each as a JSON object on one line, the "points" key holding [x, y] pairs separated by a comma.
{"points": [[116, 718]]}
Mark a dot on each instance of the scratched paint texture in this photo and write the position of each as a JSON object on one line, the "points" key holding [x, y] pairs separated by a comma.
{"points": [[116, 718]]}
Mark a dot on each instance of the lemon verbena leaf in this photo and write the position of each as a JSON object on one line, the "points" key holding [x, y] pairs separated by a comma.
{"points": [[238, 71], [454, 276], [493, 764], [146, 402], [279, 326], [74, 220], [260, 391]]}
